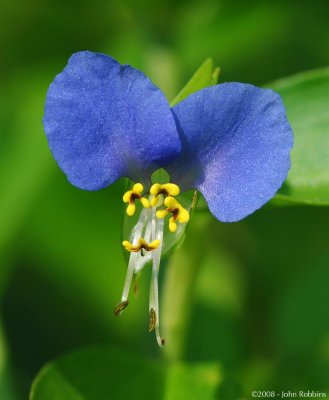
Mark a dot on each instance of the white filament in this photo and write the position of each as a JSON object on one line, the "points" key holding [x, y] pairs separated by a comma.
{"points": [[157, 233], [136, 235]]}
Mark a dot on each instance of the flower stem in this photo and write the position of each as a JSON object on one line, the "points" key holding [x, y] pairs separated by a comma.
{"points": [[179, 283]]}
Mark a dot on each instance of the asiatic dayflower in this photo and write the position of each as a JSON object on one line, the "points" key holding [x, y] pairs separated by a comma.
{"points": [[231, 142]]}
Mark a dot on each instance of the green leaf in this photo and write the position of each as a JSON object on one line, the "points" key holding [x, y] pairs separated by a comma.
{"points": [[105, 372], [306, 97], [205, 76]]}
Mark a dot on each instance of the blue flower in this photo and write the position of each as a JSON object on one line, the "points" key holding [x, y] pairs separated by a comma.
{"points": [[231, 142]]}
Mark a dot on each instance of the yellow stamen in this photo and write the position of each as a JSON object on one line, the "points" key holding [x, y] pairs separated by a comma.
{"points": [[141, 245], [178, 212], [168, 189], [132, 195]]}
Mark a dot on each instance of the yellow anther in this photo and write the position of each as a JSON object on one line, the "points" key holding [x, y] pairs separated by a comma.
{"points": [[152, 320], [162, 213], [120, 307], [141, 245], [178, 212], [172, 224], [132, 195], [168, 189]]}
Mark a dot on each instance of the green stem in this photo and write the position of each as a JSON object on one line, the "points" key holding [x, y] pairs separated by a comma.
{"points": [[178, 289]]}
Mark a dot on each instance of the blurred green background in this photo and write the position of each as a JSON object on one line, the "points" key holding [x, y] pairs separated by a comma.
{"points": [[261, 300]]}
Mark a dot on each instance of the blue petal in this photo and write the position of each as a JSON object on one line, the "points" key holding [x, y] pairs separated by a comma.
{"points": [[104, 120], [236, 142]]}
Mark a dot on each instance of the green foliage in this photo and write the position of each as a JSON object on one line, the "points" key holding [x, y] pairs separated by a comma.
{"points": [[205, 75], [306, 97], [105, 372]]}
